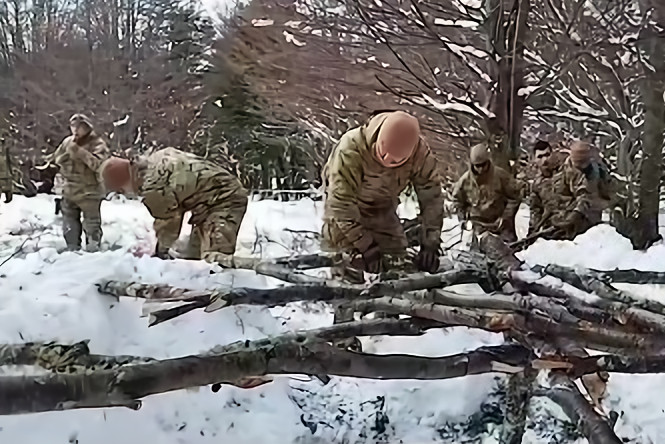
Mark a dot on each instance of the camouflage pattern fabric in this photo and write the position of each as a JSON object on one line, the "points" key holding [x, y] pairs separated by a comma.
{"points": [[79, 168], [78, 165], [173, 182], [361, 195], [583, 192], [489, 201], [397, 266], [545, 202], [72, 227]]}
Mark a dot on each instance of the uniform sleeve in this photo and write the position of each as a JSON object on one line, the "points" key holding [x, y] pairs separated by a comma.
{"points": [[55, 155], [427, 184], [167, 231], [460, 200], [344, 177], [94, 158], [514, 189], [580, 189], [536, 209], [168, 218]]}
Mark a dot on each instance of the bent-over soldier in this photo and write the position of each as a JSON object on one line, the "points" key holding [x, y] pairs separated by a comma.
{"points": [[583, 185], [364, 176], [171, 183], [78, 159], [488, 196]]}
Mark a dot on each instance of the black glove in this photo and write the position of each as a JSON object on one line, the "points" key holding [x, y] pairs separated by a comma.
{"points": [[58, 206], [369, 260], [8, 197], [427, 260]]}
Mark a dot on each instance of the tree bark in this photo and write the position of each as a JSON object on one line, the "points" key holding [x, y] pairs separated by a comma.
{"points": [[543, 326], [565, 393], [651, 168], [288, 354], [213, 300], [519, 390], [591, 282], [632, 276]]}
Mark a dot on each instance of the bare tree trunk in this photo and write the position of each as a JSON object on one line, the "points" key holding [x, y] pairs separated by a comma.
{"points": [[508, 30], [646, 231]]}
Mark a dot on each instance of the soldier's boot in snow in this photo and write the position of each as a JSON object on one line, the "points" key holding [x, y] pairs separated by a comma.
{"points": [[92, 223], [222, 259], [91, 246]]}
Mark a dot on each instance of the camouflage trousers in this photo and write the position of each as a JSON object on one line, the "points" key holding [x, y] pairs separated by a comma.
{"points": [[213, 238], [507, 233], [394, 266], [385, 227], [73, 228]]}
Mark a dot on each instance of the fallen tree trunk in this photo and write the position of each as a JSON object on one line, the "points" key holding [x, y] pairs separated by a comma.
{"points": [[596, 309], [213, 300], [632, 276], [592, 336], [591, 282], [288, 354], [59, 357], [566, 394]]}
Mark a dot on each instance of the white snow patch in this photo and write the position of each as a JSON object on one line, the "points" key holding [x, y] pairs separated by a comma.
{"points": [[47, 294]]}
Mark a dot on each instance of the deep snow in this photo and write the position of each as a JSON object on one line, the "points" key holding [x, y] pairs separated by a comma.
{"points": [[49, 295]]}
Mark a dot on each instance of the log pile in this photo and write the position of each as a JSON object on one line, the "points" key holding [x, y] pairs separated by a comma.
{"points": [[549, 315]]}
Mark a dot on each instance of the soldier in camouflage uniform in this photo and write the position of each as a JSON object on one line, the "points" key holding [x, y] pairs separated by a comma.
{"points": [[78, 159], [173, 182], [6, 178], [583, 185], [363, 179], [488, 196], [545, 200]]}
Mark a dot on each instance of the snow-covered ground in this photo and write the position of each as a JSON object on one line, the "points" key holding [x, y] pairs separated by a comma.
{"points": [[47, 294]]}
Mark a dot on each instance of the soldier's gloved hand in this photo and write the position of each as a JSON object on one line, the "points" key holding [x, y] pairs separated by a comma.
{"points": [[427, 260], [574, 220], [9, 196], [369, 260]]}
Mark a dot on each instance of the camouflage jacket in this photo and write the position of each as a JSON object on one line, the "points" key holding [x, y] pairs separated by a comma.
{"points": [[6, 176], [79, 168], [584, 189], [488, 200], [545, 202], [357, 187], [172, 182]]}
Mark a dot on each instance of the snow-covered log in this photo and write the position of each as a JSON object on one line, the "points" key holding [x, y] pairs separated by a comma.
{"points": [[594, 282]]}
